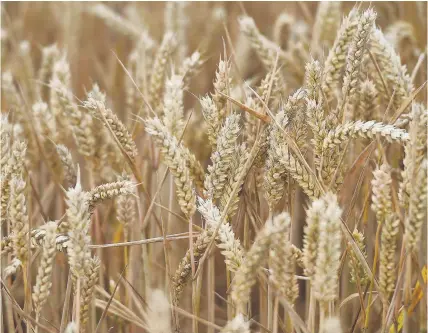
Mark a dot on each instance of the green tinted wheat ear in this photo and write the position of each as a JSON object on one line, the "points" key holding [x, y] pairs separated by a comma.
{"points": [[18, 217], [176, 162], [221, 158], [157, 78], [326, 280], [282, 263], [43, 280], [336, 58], [246, 275], [368, 129], [354, 58], [237, 325]]}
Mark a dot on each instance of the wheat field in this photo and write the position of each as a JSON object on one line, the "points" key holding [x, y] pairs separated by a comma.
{"points": [[227, 167]]}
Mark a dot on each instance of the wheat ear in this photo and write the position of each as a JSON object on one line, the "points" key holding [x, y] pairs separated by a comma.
{"points": [[326, 280], [246, 275], [43, 280]]}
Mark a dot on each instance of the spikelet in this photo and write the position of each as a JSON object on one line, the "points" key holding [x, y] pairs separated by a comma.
{"points": [[395, 75], [159, 68], [275, 175], [237, 325], [68, 167], [415, 150], [246, 275], [311, 236], [190, 67], [213, 119], [158, 313], [126, 212], [282, 264], [265, 49], [325, 283], [5, 137], [368, 129], [78, 220], [327, 22], [368, 103], [112, 122], [417, 208], [313, 74], [176, 22], [109, 191], [297, 170], [43, 280], [336, 58], [13, 168], [358, 275], [239, 165], [221, 158], [354, 59], [88, 289], [49, 55], [381, 199], [176, 162], [18, 216], [230, 246], [173, 109], [221, 83], [184, 271]]}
